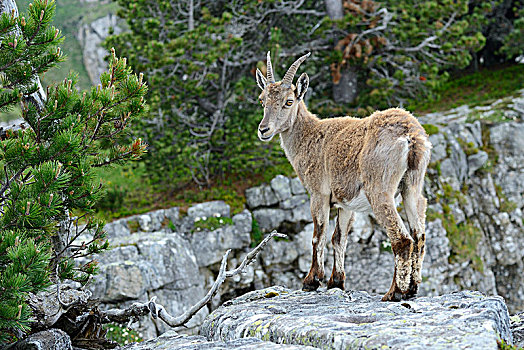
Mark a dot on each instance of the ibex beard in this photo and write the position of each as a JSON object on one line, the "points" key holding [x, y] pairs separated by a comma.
{"points": [[354, 165]]}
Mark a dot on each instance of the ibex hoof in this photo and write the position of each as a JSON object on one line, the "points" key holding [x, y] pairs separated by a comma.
{"points": [[335, 283], [311, 285], [392, 296]]}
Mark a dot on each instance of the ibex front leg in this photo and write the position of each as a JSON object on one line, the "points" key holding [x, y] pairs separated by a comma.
{"points": [[320, 214]]}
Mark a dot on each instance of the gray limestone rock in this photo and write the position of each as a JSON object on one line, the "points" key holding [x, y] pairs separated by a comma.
{"points": [[51, 339], [174, 341], [281, 186], [517, 328], [294, 201], [340, 320], [91, 37], [260, 196], [209, 209], [269, 219], [296, 186], [209, 247], [476, 161]]}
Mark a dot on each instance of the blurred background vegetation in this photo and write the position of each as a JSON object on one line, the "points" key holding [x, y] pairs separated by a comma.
{"points": [[199, 59]]}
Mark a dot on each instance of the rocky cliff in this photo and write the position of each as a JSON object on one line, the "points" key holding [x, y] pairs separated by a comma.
{"points": [[90, 36], [475, 229]]}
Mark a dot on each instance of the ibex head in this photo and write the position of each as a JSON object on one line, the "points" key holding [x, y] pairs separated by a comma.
{"points": [[280, 99]]}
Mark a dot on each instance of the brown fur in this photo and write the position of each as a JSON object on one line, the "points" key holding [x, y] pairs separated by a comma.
{"points": [[353, 164]]}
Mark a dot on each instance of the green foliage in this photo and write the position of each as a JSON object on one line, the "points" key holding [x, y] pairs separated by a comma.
{"points": [[256, 233], [204, 111], [431, 129], [122, 335], [479, 88], [47, 167], [211, 223], [514, 41], [468, 147], [403, 51]]}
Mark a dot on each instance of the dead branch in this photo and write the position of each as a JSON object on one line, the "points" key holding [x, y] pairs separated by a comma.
{"points": [[158, 311]]}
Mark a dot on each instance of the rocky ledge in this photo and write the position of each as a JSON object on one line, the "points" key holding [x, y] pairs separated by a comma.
{"points": [[335, 319]]}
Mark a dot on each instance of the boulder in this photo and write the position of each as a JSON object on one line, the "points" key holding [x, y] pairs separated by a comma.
{"points": [[340, 320], [172, 340]]}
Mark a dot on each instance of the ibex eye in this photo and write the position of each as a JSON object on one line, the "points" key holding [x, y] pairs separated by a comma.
{"points": [[260, 100], [289, 103]]}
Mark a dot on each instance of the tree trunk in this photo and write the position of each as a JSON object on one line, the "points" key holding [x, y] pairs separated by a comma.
{"points": [[345, 91]]}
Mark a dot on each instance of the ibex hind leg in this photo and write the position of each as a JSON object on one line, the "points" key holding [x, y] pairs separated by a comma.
{"points": [[401, 243], [345, 219], [415, 206]]}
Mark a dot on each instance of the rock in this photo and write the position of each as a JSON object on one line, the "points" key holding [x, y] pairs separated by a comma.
{"points": [[157, 263], [209, 247], [117, 228], [51, 339], [91, 37], [302, 213], [294, 201], [209, 209], [296, 186], [339, 320], [260, 196], [281, 186], [172, 340], [517, 328], [269, 219], [476, 161], [438, 152]]}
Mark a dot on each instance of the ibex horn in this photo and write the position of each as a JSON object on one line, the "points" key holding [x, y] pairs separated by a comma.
{"points": [[270, 76], [288, 78]]}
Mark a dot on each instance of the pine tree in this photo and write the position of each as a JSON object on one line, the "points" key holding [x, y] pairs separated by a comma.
{"points": [[47, 167]]}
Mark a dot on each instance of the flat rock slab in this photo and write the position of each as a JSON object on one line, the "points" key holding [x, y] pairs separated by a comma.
{"points": [[173, 341], [356, 320]]}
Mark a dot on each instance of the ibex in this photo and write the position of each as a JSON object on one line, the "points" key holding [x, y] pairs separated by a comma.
{"points": [[355, 165]]}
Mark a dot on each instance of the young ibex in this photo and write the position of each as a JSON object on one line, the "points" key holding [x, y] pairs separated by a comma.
{"points": [[355, 165]]}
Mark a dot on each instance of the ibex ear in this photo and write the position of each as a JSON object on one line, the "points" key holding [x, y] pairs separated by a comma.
{"points": [[302, 85], [261, 81]]}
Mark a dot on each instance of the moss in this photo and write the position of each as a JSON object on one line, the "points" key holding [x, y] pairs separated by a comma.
{"points": [[133, 226], [468, 147], [431, 129], [505, 346], [506, 205], [464, 237], [489, 149], [256, 234]]}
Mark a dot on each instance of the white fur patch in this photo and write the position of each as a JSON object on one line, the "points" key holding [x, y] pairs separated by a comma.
{"points": [[359, 204]]}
